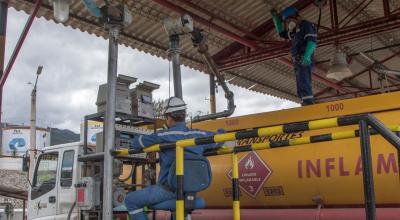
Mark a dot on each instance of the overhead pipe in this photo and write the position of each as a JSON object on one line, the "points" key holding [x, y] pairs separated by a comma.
{"points": [[200, 42]]}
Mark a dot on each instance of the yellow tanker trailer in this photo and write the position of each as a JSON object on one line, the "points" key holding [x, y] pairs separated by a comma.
{"points": [[311, 181]]}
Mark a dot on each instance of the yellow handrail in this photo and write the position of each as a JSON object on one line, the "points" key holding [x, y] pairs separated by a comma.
{"points": [[287, 128]]}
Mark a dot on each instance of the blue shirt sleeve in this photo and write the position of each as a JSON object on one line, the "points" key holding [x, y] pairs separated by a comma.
{"points": [[145, 140], [310, 33]]}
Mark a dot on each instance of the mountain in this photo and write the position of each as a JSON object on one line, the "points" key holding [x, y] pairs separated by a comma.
{"points": [[58, 136]]}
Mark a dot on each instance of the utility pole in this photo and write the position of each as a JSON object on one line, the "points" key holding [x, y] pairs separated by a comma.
{"points": [[32, 145]]}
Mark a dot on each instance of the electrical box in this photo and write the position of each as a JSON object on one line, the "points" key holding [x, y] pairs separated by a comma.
{"points": [[123, 138], [88, 192], [142, 99], [123, 98]]}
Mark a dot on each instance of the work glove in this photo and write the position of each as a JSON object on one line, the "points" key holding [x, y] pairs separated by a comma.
{"points": [[277, 21], [306, 61], [310, 47]]}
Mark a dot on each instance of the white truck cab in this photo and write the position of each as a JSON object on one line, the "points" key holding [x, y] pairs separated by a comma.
{"points": [[52, 195]]}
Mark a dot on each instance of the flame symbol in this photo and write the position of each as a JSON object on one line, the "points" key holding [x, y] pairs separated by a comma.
{"points": [[249, 164]]}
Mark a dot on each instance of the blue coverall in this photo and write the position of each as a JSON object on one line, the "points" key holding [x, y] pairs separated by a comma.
{"points": [[304, 32], [136, 200]]}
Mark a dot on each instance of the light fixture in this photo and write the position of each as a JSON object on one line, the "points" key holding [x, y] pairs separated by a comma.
{"points": [[339, 68], [176, 25], [61, 10]]}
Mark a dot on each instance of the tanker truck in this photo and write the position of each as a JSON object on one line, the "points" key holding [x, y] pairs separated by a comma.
{"points": [[310, 181], [322, 180]]}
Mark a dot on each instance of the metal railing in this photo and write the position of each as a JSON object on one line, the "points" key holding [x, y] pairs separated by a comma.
{"points": [[364, 133]]}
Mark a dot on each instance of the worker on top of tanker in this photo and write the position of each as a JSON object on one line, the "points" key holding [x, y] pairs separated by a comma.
{"points": [[175, 113], [303, 36]]}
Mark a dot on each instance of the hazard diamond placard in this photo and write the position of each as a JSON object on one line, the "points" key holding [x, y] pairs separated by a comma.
{"points": [[253, 172]]}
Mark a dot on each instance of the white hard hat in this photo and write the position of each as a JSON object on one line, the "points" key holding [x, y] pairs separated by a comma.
{"points": [[174, 104]]}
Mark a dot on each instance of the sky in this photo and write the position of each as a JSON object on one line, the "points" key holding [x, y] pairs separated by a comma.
{"points": [[75, 64]]}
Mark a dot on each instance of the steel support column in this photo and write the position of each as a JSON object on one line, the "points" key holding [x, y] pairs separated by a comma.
{"points": [[110, 122], [174, 54], [368, 180], [23, 209], [213, 105], [3, 30]]}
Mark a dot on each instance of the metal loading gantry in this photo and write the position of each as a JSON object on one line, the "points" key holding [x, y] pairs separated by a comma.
{"points": [[364, 133]]}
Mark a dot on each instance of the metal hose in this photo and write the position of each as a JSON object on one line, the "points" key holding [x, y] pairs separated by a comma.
{"points": [[70, 211], [199, 41]]}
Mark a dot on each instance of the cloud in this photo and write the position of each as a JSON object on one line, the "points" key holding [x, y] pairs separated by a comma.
{"points": [[75, 64]]}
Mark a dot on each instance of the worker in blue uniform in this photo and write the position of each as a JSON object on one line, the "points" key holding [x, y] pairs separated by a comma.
{"points": [[175, 113], [303, 37]]}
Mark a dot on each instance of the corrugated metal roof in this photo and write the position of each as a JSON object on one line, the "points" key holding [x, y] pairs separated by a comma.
{"points": [[269, 77]]}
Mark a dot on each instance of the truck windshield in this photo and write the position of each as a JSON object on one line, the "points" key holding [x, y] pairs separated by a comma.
{"points": [[46, 171]]}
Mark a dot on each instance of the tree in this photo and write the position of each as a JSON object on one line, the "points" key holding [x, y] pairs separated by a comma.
{"points": [[158, 109]]}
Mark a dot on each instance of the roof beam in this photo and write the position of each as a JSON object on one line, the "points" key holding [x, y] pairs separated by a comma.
{"points": [[214, 17], [259, 32], [229, 34], [286, 93], [348, 34], [357, 74]]}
